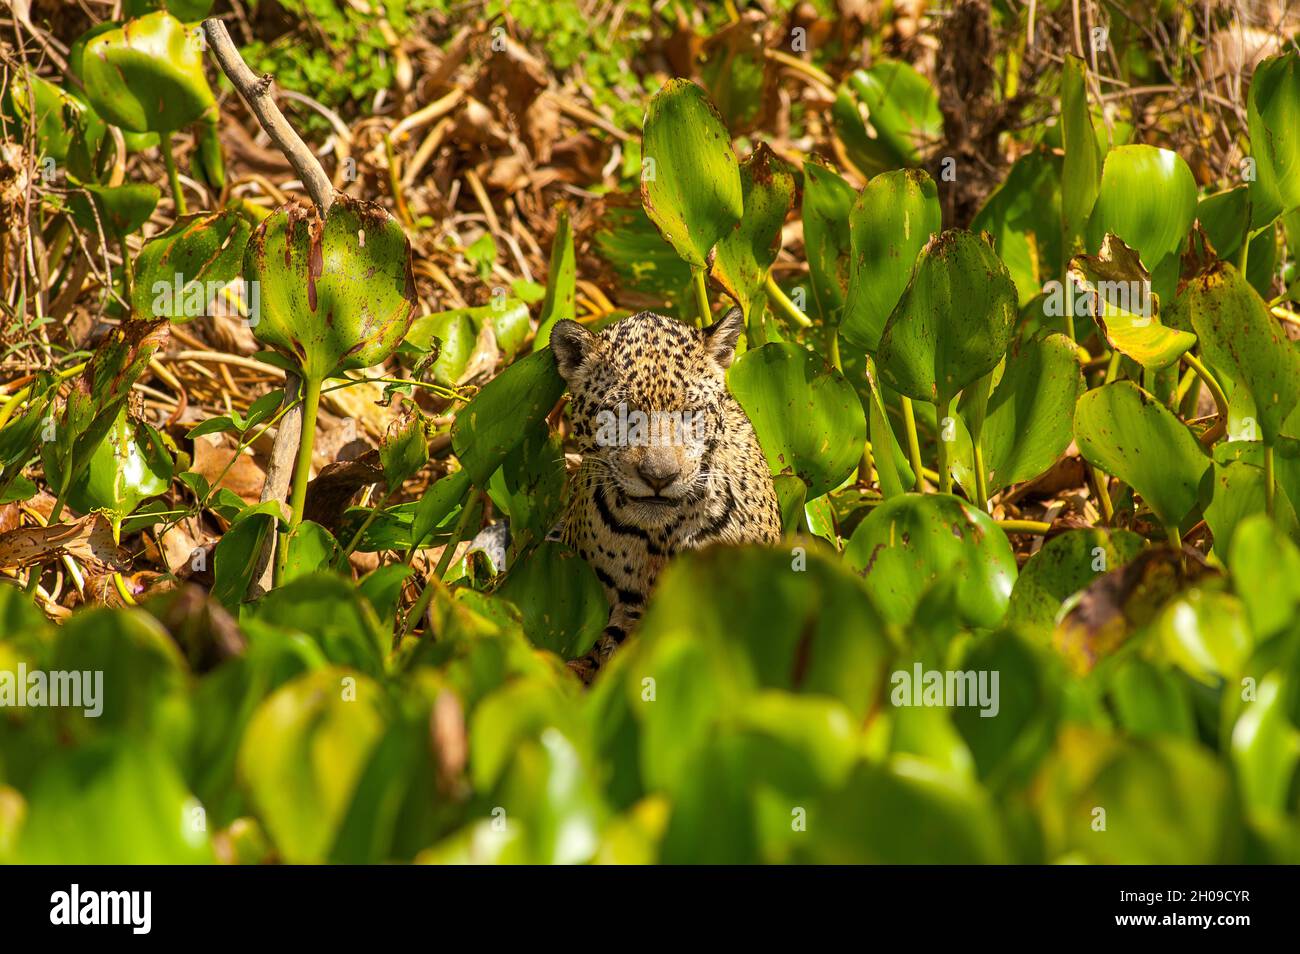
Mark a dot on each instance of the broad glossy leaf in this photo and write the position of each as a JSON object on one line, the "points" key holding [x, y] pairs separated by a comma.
{"points": [[117, 210], [1147, 198], [808, 418], [1273, 113], [954, 321], [1066, 564], [147, 75], [1240, 337], [918, 547], [560, 599], [887, 116], [127, 468], [496, 421], [304, 754], [234, 559], [561, 277], [311, 549], [335, 295], [57, 115], [827, 200], [1266, 746], [1120, 300], [113, 802], [690, 183], [1126, 432], [332, 614], [1266, 574], [1081, 172], [891, 221], [178, 271], [1206, 634], [1029, 420], [745, 254], [1023, 215]]}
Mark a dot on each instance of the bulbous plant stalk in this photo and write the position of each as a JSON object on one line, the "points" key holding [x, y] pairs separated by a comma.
{"points": [[178, 194], [945, 474], [913, 442], [301, 470]]}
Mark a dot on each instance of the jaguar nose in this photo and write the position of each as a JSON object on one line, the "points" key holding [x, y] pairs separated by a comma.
{"points": [[658, 474]]}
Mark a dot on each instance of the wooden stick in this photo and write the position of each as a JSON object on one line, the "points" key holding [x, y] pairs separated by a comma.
{"points": [[256, 93]]}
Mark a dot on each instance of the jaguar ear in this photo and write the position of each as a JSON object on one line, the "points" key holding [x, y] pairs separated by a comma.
{"points": [[720, 337], [571, 344]]}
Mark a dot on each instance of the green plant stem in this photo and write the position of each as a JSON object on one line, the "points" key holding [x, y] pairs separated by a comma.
{"points": [[1270, 484], [178, 196], [1066, 290], [945, 477], [913, 442], [1176, 541], [702, 297], [981, 479], [1216, 392], [835, 350], [1024, 526], [302, 468], [784, 305]]}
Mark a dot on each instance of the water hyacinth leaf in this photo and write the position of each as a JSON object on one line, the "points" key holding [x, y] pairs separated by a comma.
{"points": [[1205, 633], [1266, 574], [560, 599], [1273, 114], [118, 210], [916, 547], [310, 548], [499, 417], [127, 468], [113, 802], [954, 321], [827, 201], [893, 470], [808, 417], [304, 754], [1126, 432], [561, 282], [147, 75], [1225, 219], [690, 181], [1148, 199], [1232, 490], [1117, 290], [891, 221], [178, 271], [887, 116], [334, 295], [58, 116], [437, 502], [1240, 337], [1065, 565], [234, 560], [1266, 747], [1081, 171], [1023, 215], [745, 254]]}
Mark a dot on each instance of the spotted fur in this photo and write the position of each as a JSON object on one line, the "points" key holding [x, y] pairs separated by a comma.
{"points": [[636, 503]]}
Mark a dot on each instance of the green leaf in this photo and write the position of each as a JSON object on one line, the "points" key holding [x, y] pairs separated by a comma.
{"points": [[916, 548], [808, 418], [1266, 746], [1239, 336], [57, 116], [745, 254], [887, 116], [1065, 565], [333, 615], [891, 221], [1023, 215], [1120, 300], [404, 449], [114, 802], [311, 548], [178, 272], [304, 754], [1127, 432], [561, 282], [954, 321], [1029, 419], [234, 560], [118, 210], [690, 183], [1148, 199], [498, 418], [333, 296], [1273, 114], [1081, 173], [560, 599], [827, 201], [1266, 574], [1205, 633], [126, 469], [147, 75], [438, 501]]}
